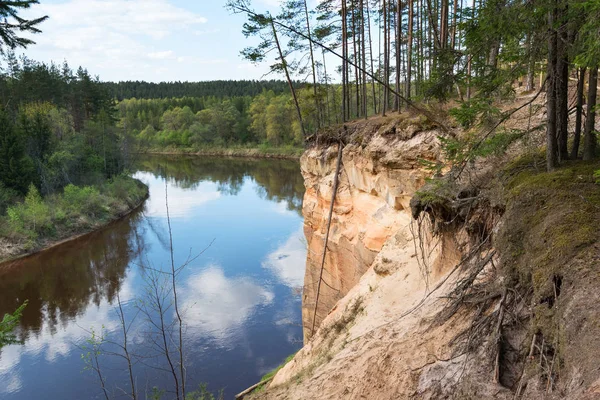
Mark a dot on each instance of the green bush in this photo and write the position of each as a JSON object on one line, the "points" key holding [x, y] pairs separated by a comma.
{"points": [[32, 217], [85, 200]]}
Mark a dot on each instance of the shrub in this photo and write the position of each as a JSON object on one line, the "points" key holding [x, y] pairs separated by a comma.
{"points": [[32, 217], [84, 200]]}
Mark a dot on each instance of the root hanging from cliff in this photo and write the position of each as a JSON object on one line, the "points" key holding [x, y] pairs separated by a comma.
{"points": [[333, 194]]}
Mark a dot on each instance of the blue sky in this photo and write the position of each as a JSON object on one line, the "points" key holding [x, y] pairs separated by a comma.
{"points": [[153, 40]]}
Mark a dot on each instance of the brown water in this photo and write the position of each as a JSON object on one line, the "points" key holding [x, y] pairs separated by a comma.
{"points": [[240, 297]]}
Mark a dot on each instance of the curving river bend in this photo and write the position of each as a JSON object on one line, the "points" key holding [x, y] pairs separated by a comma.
{"points": [[240, 297]]}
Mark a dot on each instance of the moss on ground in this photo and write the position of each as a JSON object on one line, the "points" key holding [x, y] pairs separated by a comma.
{"points": [[551, 218]]}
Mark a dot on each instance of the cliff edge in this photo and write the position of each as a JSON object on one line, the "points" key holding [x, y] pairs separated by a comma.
{"points": [[483, 286]]}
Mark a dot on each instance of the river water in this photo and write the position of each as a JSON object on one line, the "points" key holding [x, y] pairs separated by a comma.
{"points": [[237, 228]]}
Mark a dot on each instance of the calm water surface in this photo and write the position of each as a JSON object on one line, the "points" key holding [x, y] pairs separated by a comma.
{"points": [[240, 298]]}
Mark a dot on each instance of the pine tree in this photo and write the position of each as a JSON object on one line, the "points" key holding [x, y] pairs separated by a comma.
{"points": [[16, 169], [12, 25]]}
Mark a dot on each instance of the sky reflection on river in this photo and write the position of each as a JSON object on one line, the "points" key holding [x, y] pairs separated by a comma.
{"points": [[241, 310]]}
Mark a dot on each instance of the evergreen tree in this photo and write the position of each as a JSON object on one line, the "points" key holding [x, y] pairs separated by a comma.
{"points": [[12, 25], [16, 169]]}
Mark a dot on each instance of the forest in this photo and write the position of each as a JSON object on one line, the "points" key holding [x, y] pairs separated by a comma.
{"points": [[431, 56], [457, 59], [219, 89], [62, 157], [203, 122]]}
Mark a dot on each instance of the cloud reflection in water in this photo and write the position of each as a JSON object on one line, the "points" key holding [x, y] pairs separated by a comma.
{"points": [[288, 261], [218, 306]]}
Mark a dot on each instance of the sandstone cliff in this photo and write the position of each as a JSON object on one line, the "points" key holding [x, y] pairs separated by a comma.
{"points": [[376, 184], [461, 302]]}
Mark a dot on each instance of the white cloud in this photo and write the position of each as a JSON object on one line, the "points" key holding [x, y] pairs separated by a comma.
{"points": [[218, 306], [288, 261], [161, 55], [110, 35]]}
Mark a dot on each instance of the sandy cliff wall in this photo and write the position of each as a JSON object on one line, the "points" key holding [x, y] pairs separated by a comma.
{"points": [[490, 294], [376, 184]]}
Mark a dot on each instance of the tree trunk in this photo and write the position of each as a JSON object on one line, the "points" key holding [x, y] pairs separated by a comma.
{"points": [[454, 23], [371, 56], [364, 59], [386, 79], [529, 86], [289, 79], [344, 62], [398, 48], [589, 139], [551, 142], [356, 62], [470, 60], [578, 113], [409, 41], [312, 63], [562, 88]]}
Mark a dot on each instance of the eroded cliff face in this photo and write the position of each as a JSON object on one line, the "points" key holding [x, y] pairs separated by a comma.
{"points": [[376, 184], [491, 293], [374, 337]]}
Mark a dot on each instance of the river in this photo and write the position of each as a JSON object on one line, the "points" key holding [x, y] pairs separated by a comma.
{"points": [[236, 223]]}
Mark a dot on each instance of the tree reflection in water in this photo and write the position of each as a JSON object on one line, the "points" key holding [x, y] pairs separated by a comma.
{"points": [[238, 297], [277, 180]]}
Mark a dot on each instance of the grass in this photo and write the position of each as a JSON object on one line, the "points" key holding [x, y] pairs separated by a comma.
{"points": [[272, 373]]}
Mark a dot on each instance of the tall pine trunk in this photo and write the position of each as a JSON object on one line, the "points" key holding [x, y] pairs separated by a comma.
{"points": [[371, 56], [312, 63], [289, 79], [578, 113], [589, 139], [551, 141], [409, 41], [562, 86], [386, 79], [398, 49], [364, 59], [344, 62]]}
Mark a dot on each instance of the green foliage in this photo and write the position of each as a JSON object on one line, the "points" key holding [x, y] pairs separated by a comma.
{"points": [[197, 123], [16, 169], [93, 349], [8, 324], [82, 200], [202, 393], [7, 197], [76, 209], [597, 176], [31, 217], [470, 112], [13, 24], [274, 371], [219, 89]]}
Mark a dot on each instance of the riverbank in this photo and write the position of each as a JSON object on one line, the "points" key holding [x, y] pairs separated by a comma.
{"points": [[40, 224], [288, 153]]}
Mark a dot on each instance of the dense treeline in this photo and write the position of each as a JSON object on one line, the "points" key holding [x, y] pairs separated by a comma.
{"points": [[199, 122], [61, 153], [58, 127], [396, 54], [217, 89]]}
